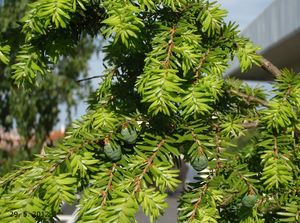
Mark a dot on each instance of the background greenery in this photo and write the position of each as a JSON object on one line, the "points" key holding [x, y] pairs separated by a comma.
{"points": [[34, 111]]}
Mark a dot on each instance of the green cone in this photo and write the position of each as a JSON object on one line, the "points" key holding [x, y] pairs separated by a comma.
{"points": [[129, 136], [249, 200], [113, 153], [200, 163]]}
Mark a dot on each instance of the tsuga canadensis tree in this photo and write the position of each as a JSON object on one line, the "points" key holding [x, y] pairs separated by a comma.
{"points": [[163, 98]]}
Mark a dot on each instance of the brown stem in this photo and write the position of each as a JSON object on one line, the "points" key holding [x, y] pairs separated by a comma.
{"points": [[200, 149], [218, 149], [196, 206], [166, 62], [287, 93], [201, 62], [250, 187], [276, 146], [250, 125], [249, 98], [109, 185], [138, 179], [269, 67]]}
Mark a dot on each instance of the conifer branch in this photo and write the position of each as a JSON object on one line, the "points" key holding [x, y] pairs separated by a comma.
{"points": [[287, 93], [54, 166], [109, 185], [12, 177], [166, 62], [249, 98], [51, 169], [250, 187], [200, 149], [149, 161], [196, 206], [276, 150], [201, 62], [269, 67], [218, 148]]}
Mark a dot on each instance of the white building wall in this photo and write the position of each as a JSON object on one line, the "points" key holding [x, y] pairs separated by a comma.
{"points": [[277, 32]]}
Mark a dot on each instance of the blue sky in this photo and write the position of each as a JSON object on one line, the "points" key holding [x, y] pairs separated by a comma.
{"points": [[241, 11], [244, 11]]}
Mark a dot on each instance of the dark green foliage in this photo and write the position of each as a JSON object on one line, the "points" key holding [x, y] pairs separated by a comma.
{"points": [[163, 98]]}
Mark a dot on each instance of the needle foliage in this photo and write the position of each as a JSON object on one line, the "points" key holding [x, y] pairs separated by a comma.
{"points": [[33, 111], [163, 97]]}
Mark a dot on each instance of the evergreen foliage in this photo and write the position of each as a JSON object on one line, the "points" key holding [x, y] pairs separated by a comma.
{"points": [[163, 96], [33, 111]]}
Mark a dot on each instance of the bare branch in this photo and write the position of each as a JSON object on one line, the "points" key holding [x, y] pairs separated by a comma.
{"points": [[89, 78], [249, 98], [250, 125], [269, 67]]}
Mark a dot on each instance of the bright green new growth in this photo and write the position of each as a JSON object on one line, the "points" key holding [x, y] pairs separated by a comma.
{"points": [[165, 63]]}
